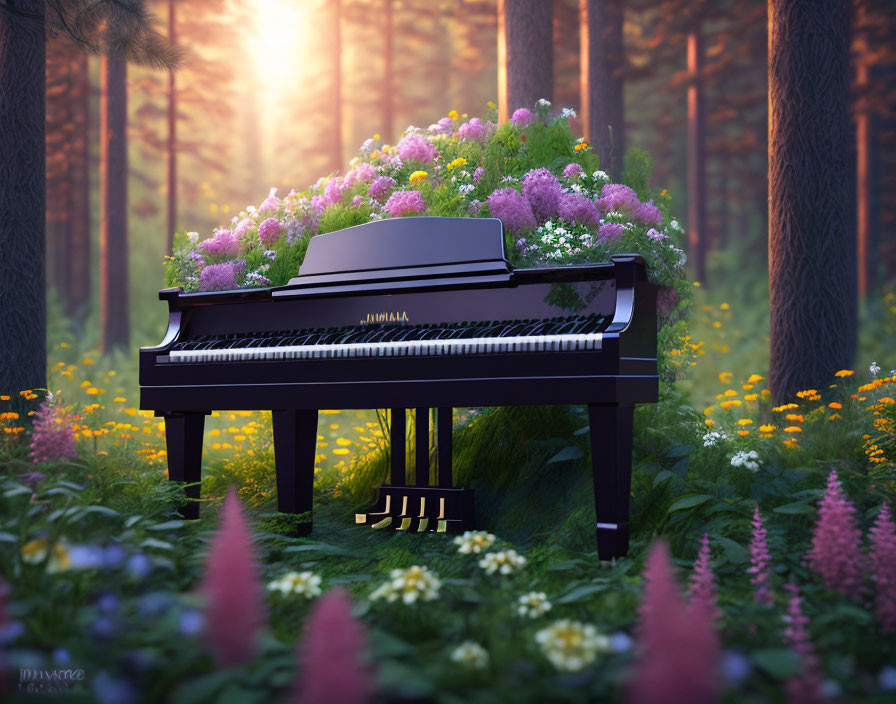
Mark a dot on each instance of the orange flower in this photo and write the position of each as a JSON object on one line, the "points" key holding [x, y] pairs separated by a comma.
{"points": [[743, 432], [785, 407], [745, 421], [754, 378], [793, 429], [767, 428], [845, 372], [834, 404], [795, 418]]}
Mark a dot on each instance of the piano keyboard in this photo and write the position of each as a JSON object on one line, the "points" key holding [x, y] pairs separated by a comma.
{"points": [[566, 334]]}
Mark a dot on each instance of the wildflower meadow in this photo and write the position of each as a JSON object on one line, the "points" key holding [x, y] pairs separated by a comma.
{"points": [[763, 559]]}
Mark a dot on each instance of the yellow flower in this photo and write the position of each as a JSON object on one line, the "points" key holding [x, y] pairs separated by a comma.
{"points": [[793, 429], [716, 324], [93, 391], [724, 306], [4, 397], [834, 416], [710, 422], [724, 349], [582, 146], [460, 161], [697, 284], [785, 407], [340, 451], [794, 418], [708, 410], [768, 428], [418, 176], [845, 372], [453, 114], [807, 392], [725, 377], [743, 432], [730, 404], [754, 378], [745, 421], [730, 392], [85, 384], [36, 551], [751, 397], [87, 360]]}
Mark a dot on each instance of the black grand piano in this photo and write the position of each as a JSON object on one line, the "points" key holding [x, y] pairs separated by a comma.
{"points": [[416, 312]]}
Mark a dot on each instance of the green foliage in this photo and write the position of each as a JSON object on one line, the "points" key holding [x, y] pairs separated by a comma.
{"points": [[638, 169], [338, 217]]}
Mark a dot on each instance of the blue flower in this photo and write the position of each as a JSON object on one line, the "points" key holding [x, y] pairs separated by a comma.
{"points": [[139, 565], [191, 622]]}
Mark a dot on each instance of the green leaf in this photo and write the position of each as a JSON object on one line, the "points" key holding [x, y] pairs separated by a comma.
{"points": [[582, 431], [324, 548], [680, 451], [167, 525], [153, 543], [689, 501], [202, 689], [780, 663], [662, 476], [566, 565], [8, 538], [734, 551], [681, 467], [567, 453], [132, 520], [580, 593], [105, 510], [794, 508]]}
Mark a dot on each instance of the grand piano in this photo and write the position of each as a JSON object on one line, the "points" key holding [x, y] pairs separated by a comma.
{"points": [[411, 313]]}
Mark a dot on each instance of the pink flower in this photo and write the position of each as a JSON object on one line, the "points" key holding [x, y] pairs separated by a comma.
{"points": [[415, 147], [654, 235], [573, 170], [883, 569], [381, 188], [52, 435], [269, 230], [678, 661], [333, 191], [362, 173], [760, 563], [610, 232], [234, 605], [243, 226], [836, 542], [478, 173], [224, 244], [574, 207], [703, 587], [330, 655], [356, 201], [542, 189], [474, 129], [647, 213], [523, 117], [405, 203], [221, 277], [617, 196], [271, 203], [805, 688], [511, 208]]}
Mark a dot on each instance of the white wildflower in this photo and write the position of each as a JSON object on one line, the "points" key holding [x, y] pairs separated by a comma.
{"points": [[567, 112], [713, 438], [503, 561], [306, 584], [750, 460], [600, 176], [192, 237], [474, 541], [874, 369], [470, 654], [675, 226], [466, 189], [571, 645], [533, 604], [415, 583], [542, 103]]}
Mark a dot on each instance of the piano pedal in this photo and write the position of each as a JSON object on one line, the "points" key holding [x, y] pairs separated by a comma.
{"points": [[442, 526], [360, 518], [418, 510], [405, 523], [385, 523], [421, 527]]}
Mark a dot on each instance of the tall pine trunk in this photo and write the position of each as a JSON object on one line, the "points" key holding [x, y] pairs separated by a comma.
{"points": [[525, 54], [812, 245], [388, 71], [114, 231], [601, 87], [696, 153], [78, 227], [337, 85], [23, 350], [171, 205]]}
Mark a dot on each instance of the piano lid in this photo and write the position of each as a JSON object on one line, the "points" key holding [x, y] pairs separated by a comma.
{"points": [[404, 249]]}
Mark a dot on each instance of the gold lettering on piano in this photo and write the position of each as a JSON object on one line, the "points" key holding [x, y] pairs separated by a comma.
{"points": [[391, 316]]}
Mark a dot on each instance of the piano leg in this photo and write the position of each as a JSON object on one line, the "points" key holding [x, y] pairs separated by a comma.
{"points": [[295, 444], [611, 463], [183, 438]]}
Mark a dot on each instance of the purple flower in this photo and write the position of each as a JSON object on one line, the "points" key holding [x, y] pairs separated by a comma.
{"points": [[478, 173], [703, 587], [617, 196], [331, 655], [760, 563], [243, 226], [523, 117], [474, 207], [356, 201], [362, 173], [654, 235], [220, 277], [381, 188], [224, 244], [572, 170], [883, 569], [52, 435], [405, 203], [610, 232], [647, 213], [32, 479], [574, 207], [542, 189], [806, 687], [512, 208], [234, 606], [333, 191], [679, 653], [415, 147], [271, 203], [269, 231], [474, 129], [836, 542]]}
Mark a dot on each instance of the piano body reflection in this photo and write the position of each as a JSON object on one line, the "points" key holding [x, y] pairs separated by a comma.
{"points": [[412, 313]]}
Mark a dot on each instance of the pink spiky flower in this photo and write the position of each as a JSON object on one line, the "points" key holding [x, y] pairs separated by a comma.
{"points": [[883, 569], [679, 655], [234, 607], [703, 582], [760, 563], [836, 542], [330, 655], [805, 688], [52, 435]]}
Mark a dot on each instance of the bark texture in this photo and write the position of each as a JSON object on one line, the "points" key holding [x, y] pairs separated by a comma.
{"points": [[525, 54], [388, 72], [812, 213], [696, 154], [601, 89], [337, 85], [171, 175], [23, 352], [114, 231]]}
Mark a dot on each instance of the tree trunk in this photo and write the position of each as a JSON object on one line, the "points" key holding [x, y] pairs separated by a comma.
{"points": [[337, 85], [696, 154], [171, 210], [525, 54], [601, 88], [23, 350], [812, 245], [114, 231], [78, 234], [388, 72], [721, 239]]}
